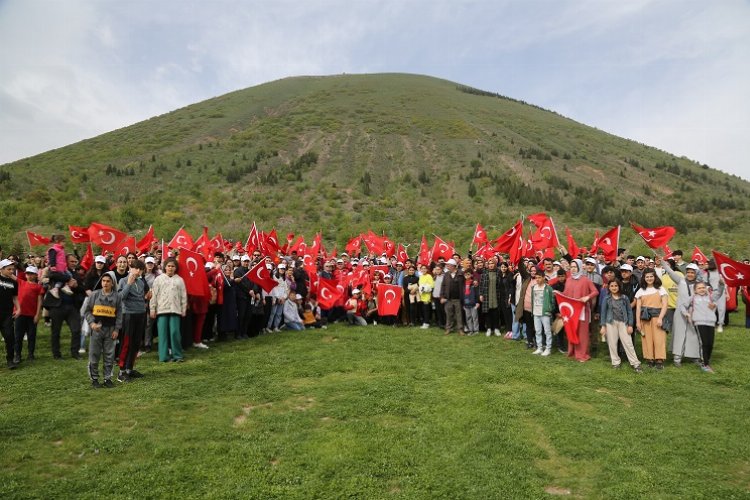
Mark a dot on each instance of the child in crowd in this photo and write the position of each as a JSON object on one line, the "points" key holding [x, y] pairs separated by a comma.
{"points": [[471, 305], [59, 265], [542, 305], [701, 313], [30, 294], [617, 324]]}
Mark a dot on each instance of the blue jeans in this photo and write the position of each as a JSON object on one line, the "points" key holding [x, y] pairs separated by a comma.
{"points": [[274, 319], [519, 329], [542, 325], [294, 326]]}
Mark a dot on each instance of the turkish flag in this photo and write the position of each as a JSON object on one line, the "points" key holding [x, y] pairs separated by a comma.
{"points": [[203, 245], [573, 249], [145, 243], [734, 273], [261, 275], [441, 249], [79, 234], [424, 253], [328, 292], [88, 258], [389, 247], [509, 239], [609, 243], [316, 246], [655, 237], [518, 251], [381, 269], [193, 273], [373, 242], [595, 244], [545, 236], [297, 246], [699, 256], [181, 239], [253, 239], [401, 255], [389, 299], [354, 245], [538, 219], [272, 242], [105, 236], [486, 251], [37, 239], [480, 236], [125, 247], [570, 310]]}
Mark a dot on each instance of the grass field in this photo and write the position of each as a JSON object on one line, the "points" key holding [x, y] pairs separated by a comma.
{"points": [[378, 412]]}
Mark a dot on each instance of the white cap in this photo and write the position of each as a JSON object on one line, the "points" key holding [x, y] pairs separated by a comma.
{"points": [[451, 262], [556, 263], [150, 260], [626, 267], [590, 260], [365, 262], [100, 258], [236, 257], [399, 263], [209, 265], [339, 261], [356, 290], [640, 257], [692, 266], [245, 257], [282, 265], [298, 297], [32, 269], [5, 263]]}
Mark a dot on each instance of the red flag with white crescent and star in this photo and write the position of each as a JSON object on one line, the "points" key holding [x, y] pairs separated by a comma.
{"points": [[609, 242], [734, 273], [389, 299], [441, 249], [261, 275], [401, 253], [88, 258], [480, 236], [328, 292], [573, 249], [509, 239], [203, 245], [125, 247], [655, 237], [105, 236], [698, 256], [37, 239], [79, 234], [545, 236], [570, 310], [181, 239], [193, 273], [424, 253], [148, 240]]}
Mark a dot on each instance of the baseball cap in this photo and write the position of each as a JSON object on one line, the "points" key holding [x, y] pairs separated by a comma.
{"points": [[451, 262], [150, 260], [5, 263], [626, 267], [245, 257], [103, 260], [32, 270]]}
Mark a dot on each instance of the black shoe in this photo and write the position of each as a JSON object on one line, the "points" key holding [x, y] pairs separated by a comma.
{"points": [[58, 358], [135, 374], [659, 366], [179, 360], [108, 384], [95, 384], [616, 367], [123, 377], [75, 356], [12, 365], [30, 357], [638, 369]]}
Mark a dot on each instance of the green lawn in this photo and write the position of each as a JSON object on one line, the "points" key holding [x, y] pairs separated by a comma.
{"points": [[378, 412]]}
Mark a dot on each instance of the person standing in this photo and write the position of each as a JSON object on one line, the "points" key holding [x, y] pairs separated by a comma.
{"points": [[8, 303], [451, 297], [426, 285], [650, 308], [701, 312], [30, 294], [542, 305], [578, 286], [617, 324], [492, 295], [103, 313], [168, 304], [133, 291], [67, 309]]}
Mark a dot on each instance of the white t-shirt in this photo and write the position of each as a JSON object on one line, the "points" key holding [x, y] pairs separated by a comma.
{"points": [[642, 292]]}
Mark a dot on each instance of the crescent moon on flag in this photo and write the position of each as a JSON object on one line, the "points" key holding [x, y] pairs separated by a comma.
{"points": [[76, 234], [385, 295], [181, 240], [192, 268], [549, 232], [325, 293], [306, 259], [111, 237], [724, 273], [566, 306], [124, 250], [512, 231], [607, 241], [443, 245]]}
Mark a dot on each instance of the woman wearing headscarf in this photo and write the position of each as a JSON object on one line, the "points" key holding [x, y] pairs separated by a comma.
{"points": [[684, 341], [578, 286]]}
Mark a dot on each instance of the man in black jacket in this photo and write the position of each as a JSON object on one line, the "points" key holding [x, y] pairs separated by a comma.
{"points": [[451, 295]]}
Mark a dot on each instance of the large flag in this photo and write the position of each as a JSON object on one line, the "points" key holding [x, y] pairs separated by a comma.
{"points": [[328, 292], [253, 240], [373, 242], [148, 240], [699, 256], [389, 299], [261, 275], [655, 237], [734, 273], [609, 242], [545, 236], [389, 247], [203, 245], [37, 239], [518, 250], [480, 236], [509, 239], [124, 247], [538, 219], [401, 255], [573, 249], [442, 249], [485, 251], [193, 273], [272, 242], [424, 253], [570, 310], [79, 234], [217, 243], [105, 236], [181, 239]]}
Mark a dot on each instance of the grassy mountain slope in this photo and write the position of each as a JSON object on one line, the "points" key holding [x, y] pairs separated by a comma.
{"points": [[404, 154]]}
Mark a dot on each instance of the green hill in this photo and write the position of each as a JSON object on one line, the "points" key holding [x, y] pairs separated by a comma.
{"points": [[404, 154]]}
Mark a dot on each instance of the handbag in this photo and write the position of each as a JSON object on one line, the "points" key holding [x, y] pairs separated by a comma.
{"points": [[645, 313]]}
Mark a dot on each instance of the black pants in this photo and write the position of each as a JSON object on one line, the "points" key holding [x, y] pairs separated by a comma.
{"points": [[69, 314], [414, 313], [481, 320], [6, 327], [439, 312], [208, 326], [25, 326], [133, 327], [426, 312], [707, 341], [493, 319], [507, 315], [528, 320], [243, 318]]}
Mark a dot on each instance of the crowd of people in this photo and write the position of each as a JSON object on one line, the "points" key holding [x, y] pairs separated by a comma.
{"points": [[125, 304]]}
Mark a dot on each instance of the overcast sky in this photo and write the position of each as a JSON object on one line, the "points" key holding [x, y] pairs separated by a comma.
{"points": [[674, 74]]}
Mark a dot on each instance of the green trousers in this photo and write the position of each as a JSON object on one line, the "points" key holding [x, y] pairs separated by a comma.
{"points": [[169, 335]]}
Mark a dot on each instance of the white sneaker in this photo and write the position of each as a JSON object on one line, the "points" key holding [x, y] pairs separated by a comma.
{"points": [[720, 328], [81, 351], [425, 326], [547, 352], [538, 351], [489, 332], [200, 345], [66, 290], [497, 332], [55, 292]]}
